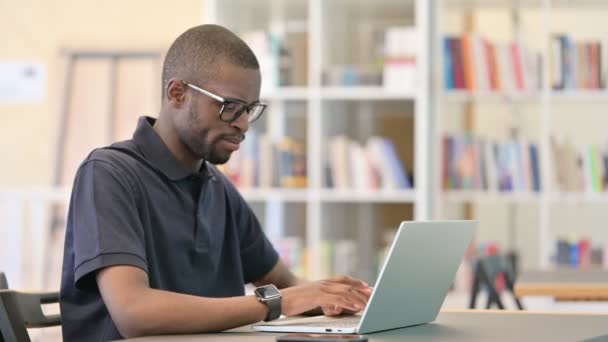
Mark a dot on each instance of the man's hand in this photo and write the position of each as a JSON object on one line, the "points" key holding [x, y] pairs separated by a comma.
{"points": [[335, 296]]}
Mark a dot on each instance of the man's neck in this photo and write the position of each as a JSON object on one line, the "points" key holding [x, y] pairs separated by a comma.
{"points": [[169, 137]]}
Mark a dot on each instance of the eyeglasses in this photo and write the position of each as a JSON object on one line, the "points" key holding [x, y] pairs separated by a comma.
{"points": [[232, 109]]}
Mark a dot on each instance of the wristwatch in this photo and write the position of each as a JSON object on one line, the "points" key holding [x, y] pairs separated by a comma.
{"points": [[270, 296]]}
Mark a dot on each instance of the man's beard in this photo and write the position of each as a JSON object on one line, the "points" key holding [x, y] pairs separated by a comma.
{"points": [[197, 142]]}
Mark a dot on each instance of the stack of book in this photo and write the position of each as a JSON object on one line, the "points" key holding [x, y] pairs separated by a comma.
{"points": [[373, 166], [579, 169], [389, 60], [581, 253], [471, 163], [293, 253], [283, 59], [265, 163], [338, 257], [576, 65], [400, 54], [473, 63]]}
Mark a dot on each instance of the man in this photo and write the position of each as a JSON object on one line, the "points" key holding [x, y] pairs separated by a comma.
{"points": [[158, 241]]}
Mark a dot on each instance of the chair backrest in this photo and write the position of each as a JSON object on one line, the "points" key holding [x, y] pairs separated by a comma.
{"points": [[485, 272], [3, 281], [22, 310]]}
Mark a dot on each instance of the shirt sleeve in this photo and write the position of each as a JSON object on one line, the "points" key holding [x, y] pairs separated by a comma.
{"points": [[258, 256], [104, 220]]}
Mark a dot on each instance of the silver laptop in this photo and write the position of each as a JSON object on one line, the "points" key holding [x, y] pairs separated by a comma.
{"points": [[414, 280]]}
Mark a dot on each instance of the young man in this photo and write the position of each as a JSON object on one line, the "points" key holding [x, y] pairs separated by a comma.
{"points": [[158, 241]]}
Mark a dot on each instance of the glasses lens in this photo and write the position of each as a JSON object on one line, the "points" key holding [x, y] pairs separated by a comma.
{"points": [[255, 112], [231, 110]]}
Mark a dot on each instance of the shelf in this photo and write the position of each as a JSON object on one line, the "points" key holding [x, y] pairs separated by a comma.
{"points": [[556, 95], [364, 93], [36, 194], [580, 95], [286, 93], [556, 197], [467, 96], [579, 197], [484, 196], [578, 4], [371, 5], [368, 196], [564, 4], [536, 112], [329, 195], [335, 33], [276, 194], [336, 93]]}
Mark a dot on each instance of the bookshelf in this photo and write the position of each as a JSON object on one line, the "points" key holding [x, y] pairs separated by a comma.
{"points": [[329, 76], [569, 113]]}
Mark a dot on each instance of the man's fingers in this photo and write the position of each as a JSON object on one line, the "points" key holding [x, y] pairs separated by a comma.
{"points": [[367, 292], [331, 310], [349, 312], [350, 303], [350, 281], [361, 297], [352, 293]]}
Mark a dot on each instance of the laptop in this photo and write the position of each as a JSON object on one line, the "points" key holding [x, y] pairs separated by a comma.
{"points": [[413, 282]]}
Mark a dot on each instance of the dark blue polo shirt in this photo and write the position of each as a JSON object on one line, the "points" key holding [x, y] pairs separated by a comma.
{"points": [[134, 204]]}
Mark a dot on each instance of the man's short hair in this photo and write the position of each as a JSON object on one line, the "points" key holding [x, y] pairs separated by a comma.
{"points": [[197, 51]]}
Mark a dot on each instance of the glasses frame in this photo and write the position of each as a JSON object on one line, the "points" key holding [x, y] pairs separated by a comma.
{"points": [[246, 107]]}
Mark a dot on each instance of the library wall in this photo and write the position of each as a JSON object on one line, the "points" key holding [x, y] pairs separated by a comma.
{"points": [[36, 31]]}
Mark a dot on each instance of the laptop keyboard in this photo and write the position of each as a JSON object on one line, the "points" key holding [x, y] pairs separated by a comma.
{"points": [[351, 321], [342, 323]]}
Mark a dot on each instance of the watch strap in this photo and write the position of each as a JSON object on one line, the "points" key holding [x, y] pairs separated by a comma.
{"points": [[274, 309]]}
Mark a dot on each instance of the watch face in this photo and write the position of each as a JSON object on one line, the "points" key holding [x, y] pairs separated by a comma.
{"points": [[268, 291]]}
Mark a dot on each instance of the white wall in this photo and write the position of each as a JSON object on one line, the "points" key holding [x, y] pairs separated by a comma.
{"points": [[36, 31]]}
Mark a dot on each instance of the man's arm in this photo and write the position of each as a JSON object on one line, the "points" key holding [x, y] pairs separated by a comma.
{"points": [[280, 276], [138, 310]]}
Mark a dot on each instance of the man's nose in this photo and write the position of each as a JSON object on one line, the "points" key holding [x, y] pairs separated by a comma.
{"points": [[241, 123]]}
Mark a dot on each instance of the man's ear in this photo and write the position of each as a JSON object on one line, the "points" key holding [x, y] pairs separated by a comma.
{"points": [[175, 92]]}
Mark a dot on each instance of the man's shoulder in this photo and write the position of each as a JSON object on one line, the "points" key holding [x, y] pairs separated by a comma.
{"points": [[121, 157], [117, 154]]}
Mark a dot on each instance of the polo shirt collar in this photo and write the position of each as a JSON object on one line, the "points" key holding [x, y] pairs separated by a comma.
{"points": [[157, 153]]}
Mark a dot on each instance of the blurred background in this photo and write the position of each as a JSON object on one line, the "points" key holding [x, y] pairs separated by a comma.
{"points": [[379, 112]]}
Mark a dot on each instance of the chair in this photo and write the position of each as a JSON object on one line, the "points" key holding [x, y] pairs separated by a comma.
{"points": [[485, 272], [3, 281], [22, 310]]}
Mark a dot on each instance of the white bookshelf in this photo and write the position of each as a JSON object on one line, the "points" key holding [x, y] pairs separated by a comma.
{"points": [[578, 198], [287, 93], [274, 194], [460, 196], [337, 32], [538, 115], [379, 196], [461, 96], [579, 95], [364, 93]]}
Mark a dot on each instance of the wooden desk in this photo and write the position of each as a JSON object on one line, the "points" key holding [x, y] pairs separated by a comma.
{"points": [[564, 284], [462, 325]]}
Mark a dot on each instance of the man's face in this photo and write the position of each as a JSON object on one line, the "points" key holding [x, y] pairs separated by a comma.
{"points": [[202, 130]]}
